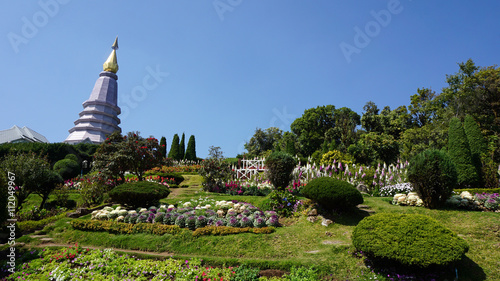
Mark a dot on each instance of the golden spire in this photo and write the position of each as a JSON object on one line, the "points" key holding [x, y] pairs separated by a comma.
{"points": [[111, 64]]}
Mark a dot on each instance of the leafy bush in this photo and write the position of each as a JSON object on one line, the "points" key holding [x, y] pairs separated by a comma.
{"points": [[408, 239], [139, 193], [433, 176], [227, 230], [67, 168], [280, 166], [332, 193], [334, 156], [215, 171], [245, 273], [283, 202]]}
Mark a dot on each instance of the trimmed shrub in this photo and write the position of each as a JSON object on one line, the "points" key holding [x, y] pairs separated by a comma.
{"points": [[140, 193], [182, 147], [477, 143], [174, 152], [67, 168], [332, 193], [191, 149], [408, 239], [460, 154], [433, 176], [280, 166]]}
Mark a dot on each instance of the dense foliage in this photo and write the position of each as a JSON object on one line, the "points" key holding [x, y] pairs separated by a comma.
{"points": [[174, 152], [408, 239], [332, 193], [118, 154], [32, 175], [163, 147], [280, 166], [215, 171], [460, 154], [139, 193], [67, 168], [433, 177], [191, 149]]}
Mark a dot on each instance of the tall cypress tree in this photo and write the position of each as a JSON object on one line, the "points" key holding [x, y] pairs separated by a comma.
{"points": [[174, 148], [182, 147], [290, 147], [191, 149], [459, 151], [163, 147], [477, 144]]}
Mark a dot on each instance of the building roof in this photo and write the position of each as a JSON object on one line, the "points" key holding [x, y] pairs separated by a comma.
{"points": [[24, 134]]}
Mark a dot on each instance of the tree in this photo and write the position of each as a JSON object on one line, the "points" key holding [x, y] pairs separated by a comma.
{"points": [[263, 141], [163, 147], [369, 120], [311, 127], [215, 171], [459, 151], [182, 147], [418, 139], [280, 166], [477, 143], [68, 168], [191, 149], [118, 154], [344, 132], [374, 147], [174, 148], [32, 175], [422, 107]]}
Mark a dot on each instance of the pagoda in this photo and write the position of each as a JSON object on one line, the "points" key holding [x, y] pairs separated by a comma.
{"points": [[99, 117]]}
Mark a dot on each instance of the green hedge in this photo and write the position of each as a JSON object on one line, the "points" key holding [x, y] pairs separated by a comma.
{"points": [[408, 239], [30, 226], [332, 193], [136, 194], [226, 230]]}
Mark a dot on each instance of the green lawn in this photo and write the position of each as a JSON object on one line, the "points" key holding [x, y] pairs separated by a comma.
{"points": [[299, 242]]}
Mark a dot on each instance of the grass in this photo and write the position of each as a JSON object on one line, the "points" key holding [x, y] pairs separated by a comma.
{"points": [[300, 242]]}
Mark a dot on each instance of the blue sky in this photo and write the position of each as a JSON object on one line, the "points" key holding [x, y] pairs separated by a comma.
{"points": [[226, 67]]}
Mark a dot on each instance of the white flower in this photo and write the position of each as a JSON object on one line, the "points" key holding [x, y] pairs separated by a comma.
{"points": [[187, 204], [143, 210], [466, 195], [163, 206], [171, 206], [120, 218], [132, 212]]}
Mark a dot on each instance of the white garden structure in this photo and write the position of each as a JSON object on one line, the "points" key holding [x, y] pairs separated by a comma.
{"points": [[249, 168]]}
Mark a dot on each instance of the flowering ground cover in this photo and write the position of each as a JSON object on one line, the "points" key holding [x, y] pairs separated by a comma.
{"points": [[193, 214]]}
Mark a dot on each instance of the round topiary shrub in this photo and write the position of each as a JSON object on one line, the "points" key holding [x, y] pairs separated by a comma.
{"points": [[142, 193], [280, 166], [433, 176], [332, 193], [67, 168], [408, 239]]}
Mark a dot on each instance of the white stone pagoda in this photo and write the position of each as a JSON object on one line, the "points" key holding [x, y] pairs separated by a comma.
{"points": [[99, 117]]}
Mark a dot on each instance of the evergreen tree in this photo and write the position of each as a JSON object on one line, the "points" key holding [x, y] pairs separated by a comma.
{"points": [[459, 151], [191, 149], [182, 147], [477, 144], [163, 147], [290, 147], [174, 148]]}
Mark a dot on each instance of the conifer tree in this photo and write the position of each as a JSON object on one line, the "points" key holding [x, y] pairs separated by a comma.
{"points": [[477, 143], [290, 148], [191, 149], [459, 151], [182, 147], [163, 147], [174, 148]]}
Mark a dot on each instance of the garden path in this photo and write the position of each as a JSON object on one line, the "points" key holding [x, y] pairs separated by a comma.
{"points": [[193, 183]]}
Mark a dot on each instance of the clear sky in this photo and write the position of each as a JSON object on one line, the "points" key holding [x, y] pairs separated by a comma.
{"points": [[223, 68]]}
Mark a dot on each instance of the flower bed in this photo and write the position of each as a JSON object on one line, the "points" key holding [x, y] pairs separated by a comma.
{"points": [[480, 202], [75, 263], [201, 213]]}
